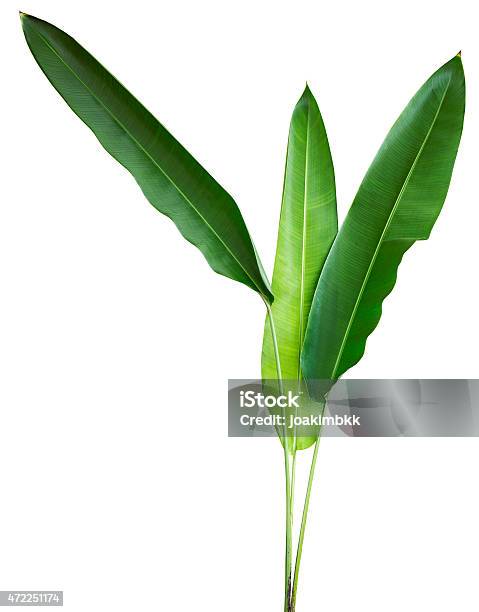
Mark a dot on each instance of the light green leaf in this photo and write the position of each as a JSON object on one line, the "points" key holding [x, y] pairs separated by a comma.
{"points": [[307, 227], [397, 203], [170, 178]]}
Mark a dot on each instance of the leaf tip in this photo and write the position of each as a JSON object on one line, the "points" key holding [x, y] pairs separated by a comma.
{"points": [[459, 54], [306, 95]]}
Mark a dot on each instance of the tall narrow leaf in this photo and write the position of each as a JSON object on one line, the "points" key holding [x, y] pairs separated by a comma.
{"points": [[307, 227], [170, 178], [397, 203]]}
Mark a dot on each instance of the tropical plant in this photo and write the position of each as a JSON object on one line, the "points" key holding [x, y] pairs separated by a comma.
{"points": [[328, 287]]}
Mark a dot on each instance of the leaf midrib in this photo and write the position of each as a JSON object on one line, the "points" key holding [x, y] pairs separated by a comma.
{"points": [[386, 227], [145, 151], [303, 247]]}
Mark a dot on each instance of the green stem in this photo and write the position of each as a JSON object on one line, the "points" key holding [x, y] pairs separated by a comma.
{"points": [[293, 452], [293, 479], [288, 476], [288, 565], [304, 520]]}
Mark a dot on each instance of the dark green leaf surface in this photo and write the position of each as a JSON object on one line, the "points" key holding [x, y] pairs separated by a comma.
{"points": [[397, 203], [170, 178], [307, 228]]}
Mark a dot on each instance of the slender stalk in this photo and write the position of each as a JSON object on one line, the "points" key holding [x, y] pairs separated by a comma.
{"points": [[291, 520], [293, 481], [288, 476], [304, 520], [293, 452], [288, 566]]}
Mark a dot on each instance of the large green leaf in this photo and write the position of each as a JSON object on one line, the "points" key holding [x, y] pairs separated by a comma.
{"points": [[307, 227], [397, 203], [170, 178]]}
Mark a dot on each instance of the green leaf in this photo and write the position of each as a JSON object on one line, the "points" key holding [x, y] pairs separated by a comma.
{"points": [[397, 203], [307, 227], [171, 179]]}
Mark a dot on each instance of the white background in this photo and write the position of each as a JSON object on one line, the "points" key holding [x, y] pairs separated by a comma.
{"points": [[109, 320]]}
